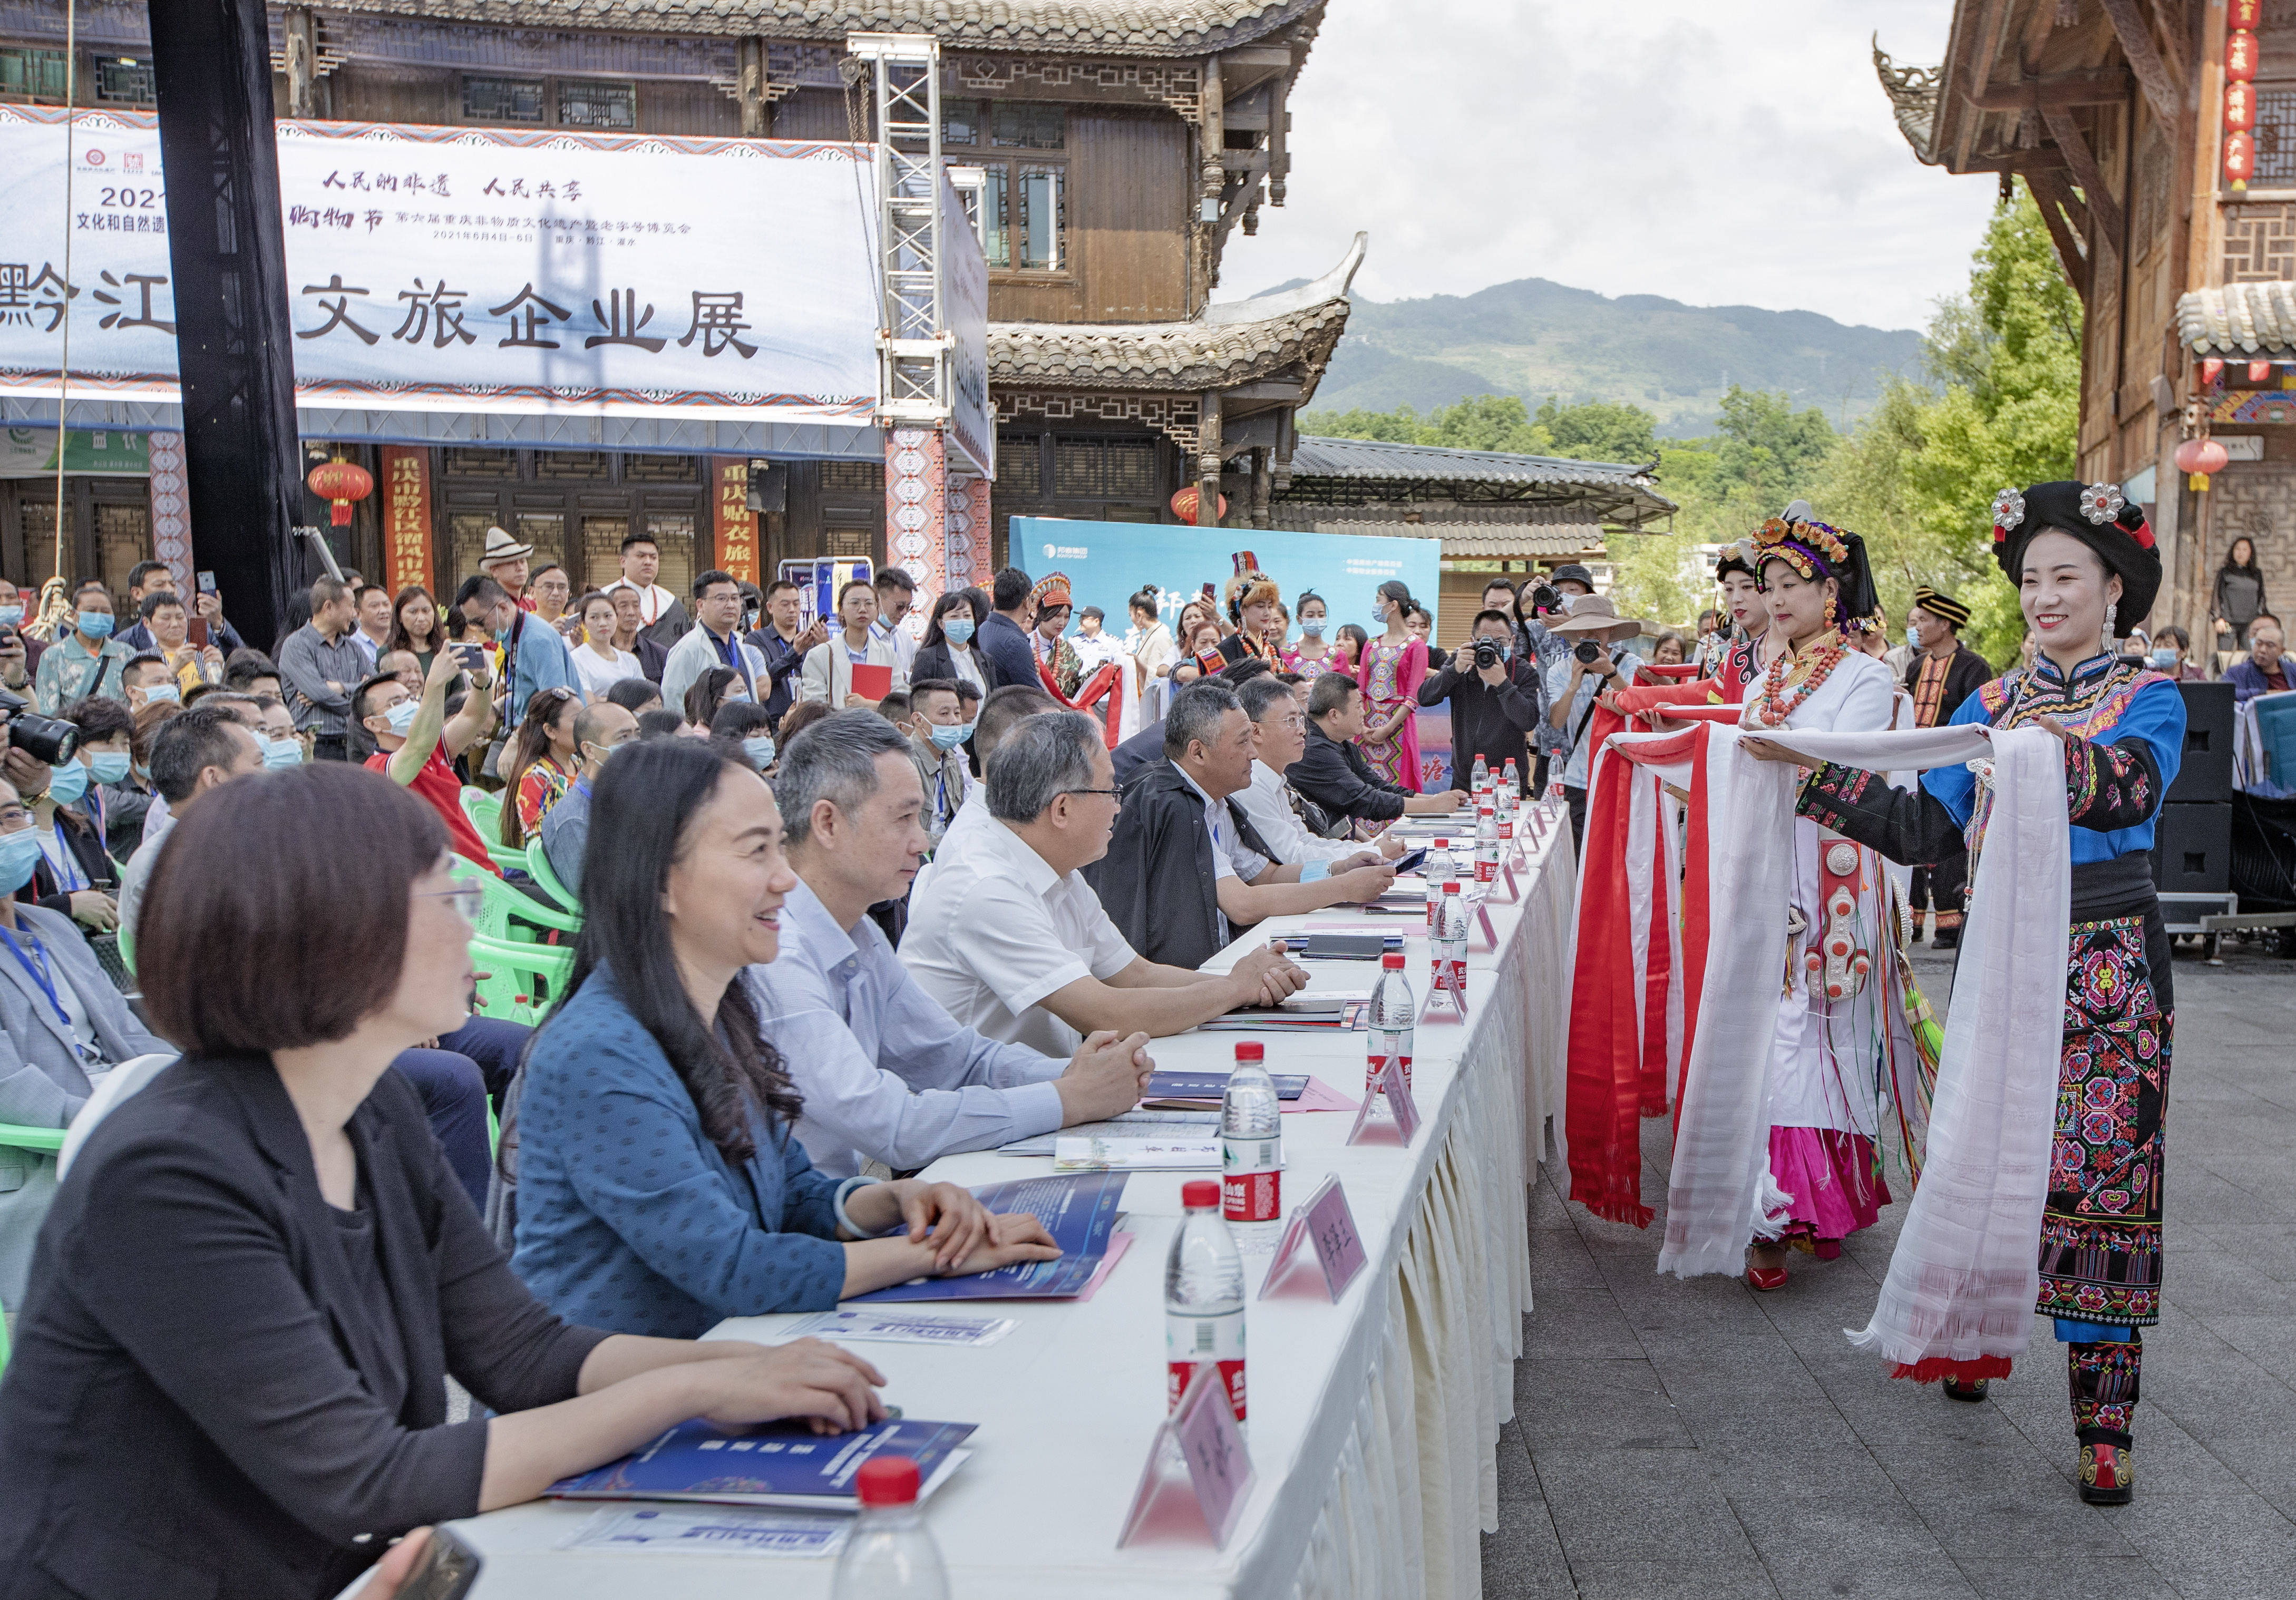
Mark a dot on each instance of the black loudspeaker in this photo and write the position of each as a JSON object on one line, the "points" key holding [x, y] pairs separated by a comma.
{"points": [[2191, 849], [2204, 773]]}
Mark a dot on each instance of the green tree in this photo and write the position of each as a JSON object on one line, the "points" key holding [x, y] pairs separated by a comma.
{"points": [[1399, 426], [1598, 430]]}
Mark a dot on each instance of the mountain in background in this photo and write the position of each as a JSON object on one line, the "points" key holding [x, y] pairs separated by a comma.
{"points": [[1535, 339]]}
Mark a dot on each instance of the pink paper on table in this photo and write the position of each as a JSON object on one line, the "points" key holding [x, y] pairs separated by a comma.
{"points": [[1319, 1096], [1118, 1243]]}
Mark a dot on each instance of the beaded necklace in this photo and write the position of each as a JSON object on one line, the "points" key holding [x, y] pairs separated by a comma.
{"points": [[1778, 702]]}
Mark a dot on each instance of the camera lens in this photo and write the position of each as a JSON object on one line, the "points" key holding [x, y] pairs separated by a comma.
{"points": [[1586, 649], [48, 740], [1545, 597]]}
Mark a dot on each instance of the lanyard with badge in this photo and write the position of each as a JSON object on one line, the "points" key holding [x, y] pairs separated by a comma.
{"points": [[44, 975]]}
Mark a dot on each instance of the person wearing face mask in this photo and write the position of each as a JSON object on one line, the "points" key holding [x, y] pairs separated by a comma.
{"points": [[1495, 700], [66, 1026], [24, 661], [937, 733], [2172, 649], [117, 798], [416, 742], [744, 733], [146, 681], [88, 661], [599, 730], [75, 877], [282, 747]]}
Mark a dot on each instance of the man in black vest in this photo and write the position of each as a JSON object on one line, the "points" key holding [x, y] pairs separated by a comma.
{"points": [[1184, 865]]}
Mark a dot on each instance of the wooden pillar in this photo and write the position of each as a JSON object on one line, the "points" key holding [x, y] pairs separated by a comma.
{"points": [[1211, 176], [1279, 137], [1261, 480], [757, 111], [1208, 462]]}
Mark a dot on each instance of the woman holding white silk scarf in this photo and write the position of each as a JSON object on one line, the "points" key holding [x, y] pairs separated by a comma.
{"points": [[2087, 571]]}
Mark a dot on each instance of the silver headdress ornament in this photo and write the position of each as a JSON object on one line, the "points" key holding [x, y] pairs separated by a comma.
{"points": [[1800, 511], [2008, 508], [2101, 503]]}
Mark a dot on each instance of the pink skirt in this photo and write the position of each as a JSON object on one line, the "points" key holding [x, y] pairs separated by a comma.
{"points": [[1834, 1183]]}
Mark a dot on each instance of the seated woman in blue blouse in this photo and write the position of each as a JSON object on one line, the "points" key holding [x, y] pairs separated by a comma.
{"points": [[660, 1189]]}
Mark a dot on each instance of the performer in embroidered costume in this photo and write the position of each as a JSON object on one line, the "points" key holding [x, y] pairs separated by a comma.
{"points": [[2087, 571], [1839, 1037], [1943, 674], [1393, 667]]}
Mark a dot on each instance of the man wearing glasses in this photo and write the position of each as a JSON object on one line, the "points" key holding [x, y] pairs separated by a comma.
{"points": [[1279, 731], [1496, 701]]}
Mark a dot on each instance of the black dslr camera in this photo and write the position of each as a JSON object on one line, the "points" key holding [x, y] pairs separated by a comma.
{"points": [[1588, 651], [1487, 654], [1545, 597], [48, 740]]}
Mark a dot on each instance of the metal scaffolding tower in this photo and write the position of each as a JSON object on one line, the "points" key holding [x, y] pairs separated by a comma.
{"points": [[914, 342]]}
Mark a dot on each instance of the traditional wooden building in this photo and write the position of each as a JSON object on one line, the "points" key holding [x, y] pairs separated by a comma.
{"points": [[2159, 137], [1122, 146]]}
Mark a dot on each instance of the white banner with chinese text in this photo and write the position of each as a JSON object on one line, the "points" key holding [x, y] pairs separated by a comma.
{"points": [[469, 269]]}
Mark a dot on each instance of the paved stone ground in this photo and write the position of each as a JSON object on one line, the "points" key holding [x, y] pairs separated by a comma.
{"points": [[1698, 1440]]}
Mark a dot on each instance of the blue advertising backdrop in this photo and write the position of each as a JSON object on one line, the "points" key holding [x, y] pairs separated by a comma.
{"points": [[1109, 563]]}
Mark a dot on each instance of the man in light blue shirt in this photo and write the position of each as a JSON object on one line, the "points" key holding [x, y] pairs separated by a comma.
{"points": [[538, 657], [1572, 684], [887, 1075]]}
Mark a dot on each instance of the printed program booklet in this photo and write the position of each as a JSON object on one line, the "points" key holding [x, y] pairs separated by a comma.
{"points": [[771, 1464], [1078, 1210]]}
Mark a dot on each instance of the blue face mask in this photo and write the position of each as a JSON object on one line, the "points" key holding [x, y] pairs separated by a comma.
{"points": [[759, 750], [20, 854], [168, 693], [96, 625], [956, 630], [950, 736], [108, 766], [1312, 626], [11, 615], [1912, 638], [401, 717], [67, 783], [2165, 658], [285, 752]]}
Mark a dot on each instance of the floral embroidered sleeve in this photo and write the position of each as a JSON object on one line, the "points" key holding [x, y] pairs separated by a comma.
{"points": [[2110, 786], [1907, 826]]}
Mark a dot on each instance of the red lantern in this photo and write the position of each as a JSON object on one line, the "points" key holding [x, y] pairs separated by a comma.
{"points": [[338, 483], [2239, 107], [2239, 159], [2211, 369], [2246, 15], [2200, 459], [1184, 506], [2260, 372], [2240, 56]]}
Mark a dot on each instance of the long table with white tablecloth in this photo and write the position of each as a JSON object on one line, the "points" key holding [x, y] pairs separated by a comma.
{"points": [[1373, 1421]]}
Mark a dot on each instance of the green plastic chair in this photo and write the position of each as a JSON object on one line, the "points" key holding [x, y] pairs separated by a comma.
{"points": [[46, 1141], [538, 868], [127, 949], [522, 981]]}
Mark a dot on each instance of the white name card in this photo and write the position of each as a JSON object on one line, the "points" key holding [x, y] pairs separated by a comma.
{"points": [[1327, 1224]]}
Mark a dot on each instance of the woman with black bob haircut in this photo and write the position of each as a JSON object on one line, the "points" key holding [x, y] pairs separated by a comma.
{"points": [[229, 1373], [660, 1187]]}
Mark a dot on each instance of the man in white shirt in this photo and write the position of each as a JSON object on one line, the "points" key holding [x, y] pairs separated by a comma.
{"points": [[896, 593], [1095, 647], [886, 1074], [1279, 729], [1012, 940], [660, 613]]}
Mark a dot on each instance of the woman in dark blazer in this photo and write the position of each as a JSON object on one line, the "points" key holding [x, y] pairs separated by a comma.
{"points": [[935, 657], [229, 1370]]}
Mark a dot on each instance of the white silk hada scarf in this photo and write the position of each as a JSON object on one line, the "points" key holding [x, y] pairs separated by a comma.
{"points": [[1963, 1279]]}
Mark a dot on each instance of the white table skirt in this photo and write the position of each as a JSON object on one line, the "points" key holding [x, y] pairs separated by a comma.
{"points": [[1372, 1423]]}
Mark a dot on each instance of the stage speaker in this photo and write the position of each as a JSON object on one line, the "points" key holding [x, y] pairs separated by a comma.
{"points": [[2204, 773], [2191, 849]]}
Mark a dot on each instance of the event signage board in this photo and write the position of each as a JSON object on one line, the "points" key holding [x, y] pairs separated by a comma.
{"points": [[31, 453], [407, 516], [1109, 563], [965, 309], [469, 269]]}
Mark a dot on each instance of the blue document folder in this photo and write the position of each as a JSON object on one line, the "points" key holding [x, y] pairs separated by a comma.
{"points": [[1078, 1209], [771, 1463]]}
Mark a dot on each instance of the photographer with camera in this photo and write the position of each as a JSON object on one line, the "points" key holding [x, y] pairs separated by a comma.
{"points": [[1495, 698], [1596, 665], [74, 876]]}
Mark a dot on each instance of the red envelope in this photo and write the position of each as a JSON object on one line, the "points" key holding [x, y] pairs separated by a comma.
{"points": [[872, 682]]}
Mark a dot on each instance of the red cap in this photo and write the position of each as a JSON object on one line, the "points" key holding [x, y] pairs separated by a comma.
{"points": [[1392, 961], [1201, 1193], [1442, 844], [1251, 1050], [887, 1481], [1450, 889], [1486, 810]]}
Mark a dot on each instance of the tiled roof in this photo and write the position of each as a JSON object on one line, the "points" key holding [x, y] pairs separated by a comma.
{"points": [[1094, 26], [2238, 319], [1487, 541], [1378, 461], [1912, 93], [1231, 344]]}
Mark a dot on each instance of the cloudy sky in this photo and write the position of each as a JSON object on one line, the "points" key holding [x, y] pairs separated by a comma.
{"points": [[1716, 151]]}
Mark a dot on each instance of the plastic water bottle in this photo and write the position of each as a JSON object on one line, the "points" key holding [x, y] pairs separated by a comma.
{"points": [[1448, 948], [1252, 1145], [1394, 1018], [1482, 777], [1510, 789], [891, 1553], [1487, 845], [1433, 872], [1203, 1297]]}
